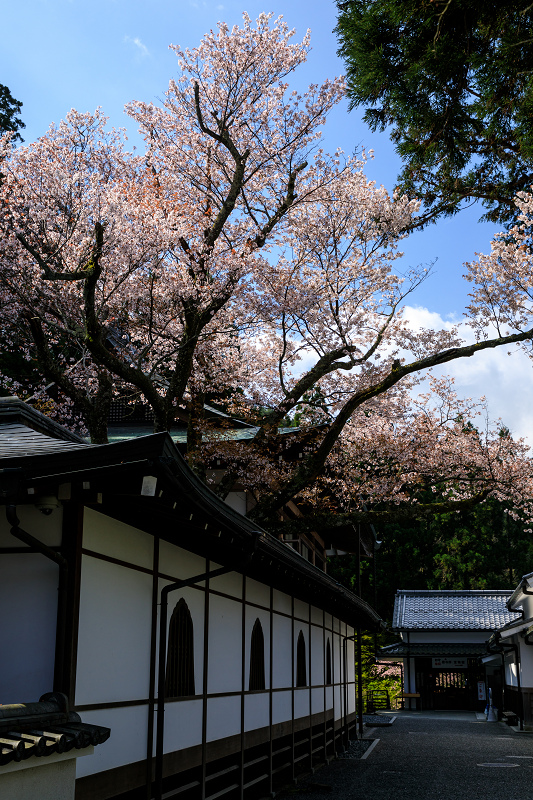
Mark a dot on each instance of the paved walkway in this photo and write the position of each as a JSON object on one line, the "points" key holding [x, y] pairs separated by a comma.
{"points": [[433, 756]]}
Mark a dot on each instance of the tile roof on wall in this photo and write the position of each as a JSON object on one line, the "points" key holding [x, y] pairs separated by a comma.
{"points": [[416, 609]]}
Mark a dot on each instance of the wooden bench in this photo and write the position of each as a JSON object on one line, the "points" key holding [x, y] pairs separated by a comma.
{"points": [[408, 696], [510, 717]]}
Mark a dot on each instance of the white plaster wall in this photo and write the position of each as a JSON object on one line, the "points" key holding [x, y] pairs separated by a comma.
{"points": [[127, 743], [352, 689], [114, 633], [510, 670], [179, 563], [45, 528], [257, 593], [526, 665], [338, 700], [301, 610], [40, 780], [350, 658], [329, 696], [527, 606], [282, 652], [195, 600], [183, 724], [317, 616], [301, 703], [223, 717], [28, 597], [113, 538], [317, 656], [281, 707], [253, 613], [225, 644], [317, 700], [256, 711], [281, 602], [231, 583]]}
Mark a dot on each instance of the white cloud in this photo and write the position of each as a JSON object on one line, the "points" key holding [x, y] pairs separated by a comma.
{"points": [[142, 49], [506, 380]]}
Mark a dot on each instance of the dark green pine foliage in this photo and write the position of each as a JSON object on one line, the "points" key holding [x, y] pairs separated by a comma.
{"points": [[452, 80], [482, 548], [9, 111]]}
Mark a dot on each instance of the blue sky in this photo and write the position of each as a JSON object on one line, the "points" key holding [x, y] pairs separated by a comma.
{"points": [[62, 54]]}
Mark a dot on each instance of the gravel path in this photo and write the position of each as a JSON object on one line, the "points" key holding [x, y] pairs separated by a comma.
{"points": [[432, 757]]}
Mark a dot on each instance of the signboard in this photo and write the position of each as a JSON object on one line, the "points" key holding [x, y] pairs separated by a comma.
{"points": [[448, 662], [481, 691]]}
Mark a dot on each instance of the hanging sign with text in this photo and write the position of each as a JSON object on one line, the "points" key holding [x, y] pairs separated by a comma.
{"points": [[449, 663]]}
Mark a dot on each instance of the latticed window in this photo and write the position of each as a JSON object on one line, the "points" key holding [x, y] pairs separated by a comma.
{"points": [[301, 661], [179, 680], [257, 658], [328, 661]]}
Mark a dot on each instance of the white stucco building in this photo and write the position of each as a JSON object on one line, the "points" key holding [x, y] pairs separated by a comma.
{"points": [[255, 682], [443, 635]]}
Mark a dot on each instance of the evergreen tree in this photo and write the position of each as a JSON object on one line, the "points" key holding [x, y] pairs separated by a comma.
{"points": [[9, 111], [453, 80]]}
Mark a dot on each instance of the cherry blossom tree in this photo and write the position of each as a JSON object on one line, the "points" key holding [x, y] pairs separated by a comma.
{"points": [[235, 257]]}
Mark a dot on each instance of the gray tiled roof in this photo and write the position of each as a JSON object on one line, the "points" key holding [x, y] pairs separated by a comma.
{"points": [[451, 610]]}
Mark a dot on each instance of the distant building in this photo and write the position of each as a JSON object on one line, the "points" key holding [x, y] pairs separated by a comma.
{"points": [[256, 683], [511, 648], [443, 635]]}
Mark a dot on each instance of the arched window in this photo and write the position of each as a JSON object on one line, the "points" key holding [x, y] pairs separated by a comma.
{"points": [[328, 661], [257, 658], [301, 661], [179, 680]]}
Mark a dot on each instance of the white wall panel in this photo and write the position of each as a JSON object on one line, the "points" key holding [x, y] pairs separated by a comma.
{"points": [[223, 717], [317, 701], [114, 633], [225, 643], [301, 610], [301, 626], [329, 697], [256, 711], [253, 613], [112, 538], [28, 598], [526, 666], [126, 744], [183, 724], [328, 620], [301, 703], [231, 583], [282, 653], [338, 693], [317, 656], [282, 602], [281, 707], [352, 689], [179, 563], [350, 659], [45, 528], [317, 615], [257, 593]]}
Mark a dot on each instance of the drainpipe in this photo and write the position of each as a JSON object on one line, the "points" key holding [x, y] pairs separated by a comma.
{"points": [[31, 541], [359, 683], [163, 616]]}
